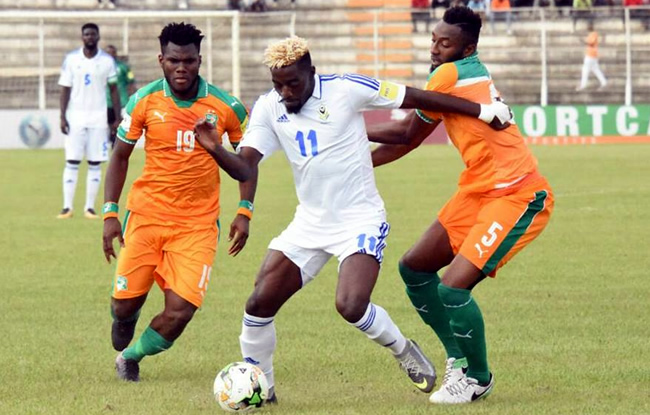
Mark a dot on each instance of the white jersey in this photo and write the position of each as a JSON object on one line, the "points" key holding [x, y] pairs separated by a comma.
{"points": [[87, 79], [327, 146]]}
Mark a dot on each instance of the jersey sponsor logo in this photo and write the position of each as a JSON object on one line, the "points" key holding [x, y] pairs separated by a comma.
{"points": [[283, 118], [160, 115], [388, 90]]}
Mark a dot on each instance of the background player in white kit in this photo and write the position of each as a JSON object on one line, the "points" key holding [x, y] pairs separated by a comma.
{"points": [[316, 120], [84, 76]]}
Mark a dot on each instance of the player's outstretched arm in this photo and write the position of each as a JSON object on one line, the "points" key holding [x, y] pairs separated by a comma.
{"points": [[408, 134], [240, 226], [496, 114], [115, 178], [206, 134]]}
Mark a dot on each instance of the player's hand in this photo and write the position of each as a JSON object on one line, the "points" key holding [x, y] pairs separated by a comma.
{"points": [[65, 128], [238, 234], [497, 114], [112, 230], [206, 134]]}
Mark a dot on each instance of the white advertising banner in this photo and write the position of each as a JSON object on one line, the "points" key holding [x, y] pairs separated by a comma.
{"points": [[30, 129]]}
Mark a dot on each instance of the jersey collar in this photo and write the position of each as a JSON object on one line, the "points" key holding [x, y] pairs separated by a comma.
{"points": [[202, 93], [317, 93]]}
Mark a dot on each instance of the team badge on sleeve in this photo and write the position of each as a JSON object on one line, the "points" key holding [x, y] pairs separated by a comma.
{"points": [[388, 90]]}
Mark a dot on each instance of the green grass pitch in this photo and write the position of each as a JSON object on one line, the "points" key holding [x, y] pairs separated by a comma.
{"points": [[567, 321]]}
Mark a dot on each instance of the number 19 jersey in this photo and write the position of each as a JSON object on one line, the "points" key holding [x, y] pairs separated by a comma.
{"points": [[327, 147], [180, 179]]}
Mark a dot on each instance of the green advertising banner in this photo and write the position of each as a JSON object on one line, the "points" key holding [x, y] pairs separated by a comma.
{"points": [[564, 124]]}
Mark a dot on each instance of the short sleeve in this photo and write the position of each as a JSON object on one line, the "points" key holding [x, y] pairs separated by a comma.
{"points": [[259, 133], [132, 125], [236, 123], [366, 93], [112, 73], [65, 79], [442, 80]]}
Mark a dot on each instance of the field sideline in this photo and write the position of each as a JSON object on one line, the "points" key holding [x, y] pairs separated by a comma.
{"points": [[567, 320]]}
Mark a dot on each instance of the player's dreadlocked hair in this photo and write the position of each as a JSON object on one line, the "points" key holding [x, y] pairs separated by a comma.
{"points": [[466, 19], [180, 34], [287, 52]]}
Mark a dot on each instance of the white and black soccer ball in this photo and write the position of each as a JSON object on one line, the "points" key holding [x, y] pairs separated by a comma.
{"points": [[240, 387], [34, 131]]}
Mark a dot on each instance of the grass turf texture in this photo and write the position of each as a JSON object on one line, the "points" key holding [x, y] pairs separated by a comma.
{"points": [[566, 321]]}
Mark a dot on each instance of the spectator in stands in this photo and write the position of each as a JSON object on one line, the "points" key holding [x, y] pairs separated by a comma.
{"points": [[259, 6], [478, 6], [125, 87], [590, 63], [582, 10], [500, 9], [236, 5], [106, 4], [420, 11], [444, 4], [642, 14]]}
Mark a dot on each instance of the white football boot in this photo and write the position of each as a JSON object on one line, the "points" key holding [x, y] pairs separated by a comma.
{"points": [[464, 390]]}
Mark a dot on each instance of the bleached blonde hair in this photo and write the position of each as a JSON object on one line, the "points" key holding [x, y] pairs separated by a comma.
{"points": [[285, 52]]}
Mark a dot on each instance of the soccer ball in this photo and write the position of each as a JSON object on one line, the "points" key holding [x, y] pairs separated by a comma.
{"points": [[240, 387], [34, 131]]}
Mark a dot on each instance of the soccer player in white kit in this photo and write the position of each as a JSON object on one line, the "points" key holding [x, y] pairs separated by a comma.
{"points": [[84, 76], [316, 120]]}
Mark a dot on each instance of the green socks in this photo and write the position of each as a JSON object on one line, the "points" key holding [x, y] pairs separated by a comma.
{"points": [[467, 326], [149, 344], [422, 289]]}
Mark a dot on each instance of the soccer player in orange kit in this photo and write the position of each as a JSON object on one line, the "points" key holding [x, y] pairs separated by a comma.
{"points": [[501, 205], [170, 229]]}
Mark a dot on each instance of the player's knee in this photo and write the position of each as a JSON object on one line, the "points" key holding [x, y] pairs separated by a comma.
{"points": [[73, 162], [94, 163], [352, 308], [260, 304]]}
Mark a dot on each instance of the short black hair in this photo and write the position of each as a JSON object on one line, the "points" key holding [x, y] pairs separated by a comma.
{"points": [[465, 18], [304, 63], [180, 34], [90, 26]]}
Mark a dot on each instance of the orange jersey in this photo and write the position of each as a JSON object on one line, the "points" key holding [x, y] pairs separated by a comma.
{"points": [[493, 159], [180, 178], [592, 45]]}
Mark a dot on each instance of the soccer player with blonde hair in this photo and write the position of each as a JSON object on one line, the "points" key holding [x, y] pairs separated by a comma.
{"points": [[316, 120], [502, 204]]}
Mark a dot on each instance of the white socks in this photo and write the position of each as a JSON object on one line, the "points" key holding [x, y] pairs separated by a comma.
{"points": [[378, 326], [70, 174], [93, 180], [257, 342]]}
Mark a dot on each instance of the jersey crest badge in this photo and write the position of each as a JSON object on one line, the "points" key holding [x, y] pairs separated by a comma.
{"points": [[211, 118], [323, 113]]}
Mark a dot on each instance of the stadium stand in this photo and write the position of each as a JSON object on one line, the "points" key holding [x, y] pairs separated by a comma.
{"points": [[341, 34]]}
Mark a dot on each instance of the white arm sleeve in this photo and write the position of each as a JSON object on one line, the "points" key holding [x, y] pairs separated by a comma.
{"points": [[259, 133], [65, 79], [367, 93]]}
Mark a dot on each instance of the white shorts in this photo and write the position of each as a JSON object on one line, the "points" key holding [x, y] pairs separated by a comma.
{"points": [[369, 239], [89, 142]]}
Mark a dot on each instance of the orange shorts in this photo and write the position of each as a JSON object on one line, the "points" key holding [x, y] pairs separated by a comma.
{"points": [[178, 256], [488, 230]]}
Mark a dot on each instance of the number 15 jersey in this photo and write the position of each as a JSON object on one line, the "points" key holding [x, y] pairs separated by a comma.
{"points": [[327, 147]]}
